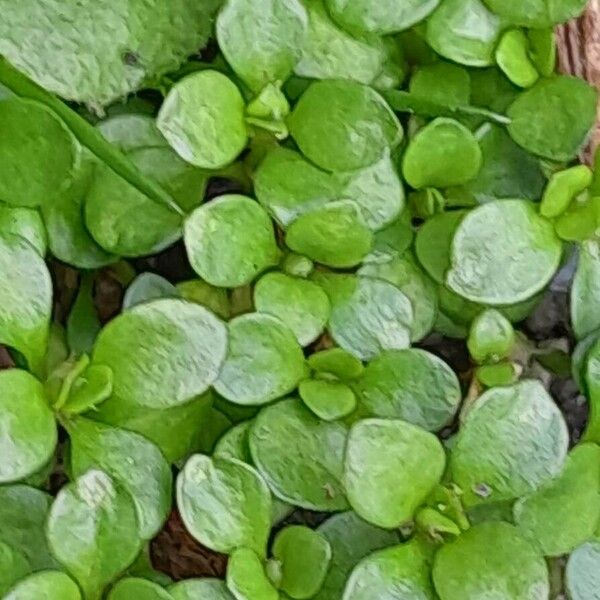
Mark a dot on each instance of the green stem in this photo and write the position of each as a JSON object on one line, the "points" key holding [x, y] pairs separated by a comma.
{"points": [[87, 135]]}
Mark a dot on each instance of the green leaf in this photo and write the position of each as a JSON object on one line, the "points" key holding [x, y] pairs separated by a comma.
{"points": [[206, 588], [564, 513], [367, 315], [537, 13], [135, 587], [337, 362], [302, 305], [264, 361], [125, 221], [132, 131], [442, 154], [563, 188], [202, 118], [473, 45], [580, 221], [28, 436], [329, 400], [89, 389], [55, 153], [583, 572], [330, 52], [334, 235], [200, 292], [147, 287], [397, 573], [134, 463], [304, 555], [434, 241], [502, 253], [68, 238], [351, 539], [503, 373], [262, 43], [300, 456], [390, 468], [247, 578], [142, 41], [230, 241], [224, 504], [471, 566], [26, 223], [585, 292], [507, 171], [26, 299], [559, 130], [162, 353], [382, 17], [443, 83], [513, 440], [23, 513], [542, 50], [13, 567], [343, 126], [491, 337], [83, 323], [406, 274], [92, 530], [412, 385], [512, 56], [50, 585]]}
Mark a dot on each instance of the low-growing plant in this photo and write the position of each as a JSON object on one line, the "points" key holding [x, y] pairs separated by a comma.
{"points": [[397, 174]]}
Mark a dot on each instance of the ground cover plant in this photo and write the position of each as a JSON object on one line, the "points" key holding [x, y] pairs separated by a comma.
{"points": [[338, 190]]}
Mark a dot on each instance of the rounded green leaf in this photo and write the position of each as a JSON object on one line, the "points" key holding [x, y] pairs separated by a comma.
{"points": [[390, 468], [28, 435], [585, 316], [50, 585], [302, 305], [396, 573], [337, 362], [13, 567], [132, 131], [135, 463], [26, 299], [380, 17], [343, 126], [330, 52], [247, 578], [583, 572], [200, 292], [146, 287], [23, 513], [412, 385], [464, 31], [564, 513], [262, 42], [502, 253], [512, 56], [162, 353], [205, 588], [92, 530], [202, 118], [230, 241], [141, 40], [442, 154], [559, 130], [537, 13], [406, 274], [34, 135], [135, 587], [300, 456], [329, 400], [433, 243], [304, 555], [26, 223], [491, 337], [563, 187], [367, 315], [442, 83], [224, 504], [264, 360], [351, 539], [334, 235], [513, 440]]}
